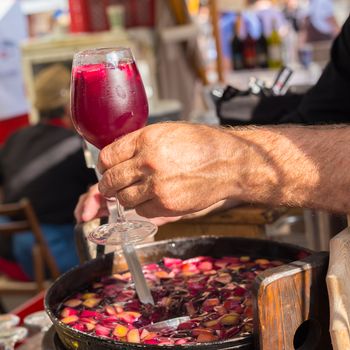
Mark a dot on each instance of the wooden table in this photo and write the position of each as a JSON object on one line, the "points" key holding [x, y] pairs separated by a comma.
{"points": [[243, 221]]}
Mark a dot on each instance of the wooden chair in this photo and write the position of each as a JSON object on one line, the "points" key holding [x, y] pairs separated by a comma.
{"points": [[24, 219]]}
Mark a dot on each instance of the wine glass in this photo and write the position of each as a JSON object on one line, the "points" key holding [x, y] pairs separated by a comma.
{"points": [[8, 321], [39, 319], [108, 100], [10, 336]]}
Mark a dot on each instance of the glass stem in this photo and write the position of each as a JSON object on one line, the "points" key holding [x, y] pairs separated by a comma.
{"points": [[10, 345], [116, 211]]}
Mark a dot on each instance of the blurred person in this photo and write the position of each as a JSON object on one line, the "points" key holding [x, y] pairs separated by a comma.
{"points": [[302, 166], [13, 102], [320, 22], [45, 163]]}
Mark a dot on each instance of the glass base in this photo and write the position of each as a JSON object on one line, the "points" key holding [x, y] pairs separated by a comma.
{"points": [[133, 231]]}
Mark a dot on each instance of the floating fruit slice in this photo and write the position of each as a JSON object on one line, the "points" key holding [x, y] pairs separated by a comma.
{"points": [[102, 331], [133, 336], [92, 302], [230, 319], [70, 319], [120, 331], [68, 311], [72, 302]]}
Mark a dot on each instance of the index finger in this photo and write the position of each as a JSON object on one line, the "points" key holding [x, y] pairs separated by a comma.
{"points": [[117, 152]]}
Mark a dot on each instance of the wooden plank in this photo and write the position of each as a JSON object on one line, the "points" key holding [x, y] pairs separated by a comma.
{"points": [[214, 15], [194, 230], [286, 297], [252, 215], [339, 290]]}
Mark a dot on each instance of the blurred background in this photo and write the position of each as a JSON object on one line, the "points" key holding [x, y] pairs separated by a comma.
{"points": [[183, 48]]}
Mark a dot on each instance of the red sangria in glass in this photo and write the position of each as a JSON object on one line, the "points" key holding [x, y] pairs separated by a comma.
{"points": [[108, 100]]}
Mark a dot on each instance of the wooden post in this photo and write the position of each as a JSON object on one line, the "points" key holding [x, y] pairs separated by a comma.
{"points": [[338, 277], [216, 31]]}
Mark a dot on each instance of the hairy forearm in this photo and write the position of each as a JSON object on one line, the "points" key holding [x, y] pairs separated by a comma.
{"points": [[296, 166]]}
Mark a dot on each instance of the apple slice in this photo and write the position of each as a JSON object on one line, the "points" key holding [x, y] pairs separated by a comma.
{"points": [[89, 326], [68, 311], [133, 336], [72, 302], [120, 331], [205, 266], [92, 302], [129, 316], [70, 319], [207, 338], [231, 319], [110, 310], [171, 262], [86, 296]]}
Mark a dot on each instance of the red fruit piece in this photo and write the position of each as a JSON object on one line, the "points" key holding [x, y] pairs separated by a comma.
{"points": [[79, 326], [207, 338], [231, 259], [239, 291], [196, 259], [187, 325], [190, 308], [231, 332], [91, 314], [220, 309], [205, 266], [118, 308], [211, 302], [171, 262], [151, 341], [223, 278], [232, 303], [110, 310], [129, 316], [151, 267], [88, 320], [102, 331], [125, 295], [68, 311]]}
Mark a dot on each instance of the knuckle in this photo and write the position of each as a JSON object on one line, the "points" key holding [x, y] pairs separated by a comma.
{"points": [[109, 179], [104, 159]]}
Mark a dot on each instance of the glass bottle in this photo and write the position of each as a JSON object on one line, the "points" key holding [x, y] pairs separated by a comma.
{"points": [[274, 47]]}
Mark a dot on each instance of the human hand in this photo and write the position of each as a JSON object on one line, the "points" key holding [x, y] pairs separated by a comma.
{"points": [[168, 169], [91, 205]]}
